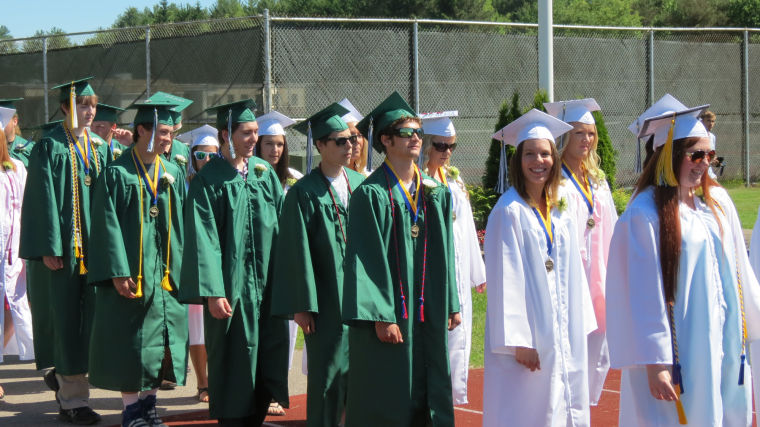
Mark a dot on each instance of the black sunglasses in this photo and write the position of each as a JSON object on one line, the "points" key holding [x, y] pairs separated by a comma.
{"points": [[201, 155], [408, 132], [441, 147], [343, 140], [699, 155]]}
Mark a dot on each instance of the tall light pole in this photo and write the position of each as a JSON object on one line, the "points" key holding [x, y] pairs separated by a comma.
{"points": [[546, 48]]}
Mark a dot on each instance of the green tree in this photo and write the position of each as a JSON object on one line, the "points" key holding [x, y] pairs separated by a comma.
{"points": [[576, 12], [509, 111], [605, 150], [57, 39], [743, 13], [6, 46]]}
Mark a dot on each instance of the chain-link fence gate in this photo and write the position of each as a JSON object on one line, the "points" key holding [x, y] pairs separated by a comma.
{"points": [[299, 65]]}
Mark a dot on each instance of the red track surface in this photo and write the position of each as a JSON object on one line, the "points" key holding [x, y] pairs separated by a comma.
{"points": [[604, 415]]}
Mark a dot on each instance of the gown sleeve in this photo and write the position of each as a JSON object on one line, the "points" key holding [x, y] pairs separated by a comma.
{"points": [[368, 293], [201, 275], [108, 254], [509, 325], [295, 288], [40, 224], [638, 331]]}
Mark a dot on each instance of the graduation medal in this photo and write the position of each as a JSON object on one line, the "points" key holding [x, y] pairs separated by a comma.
{"points": [[549, 264], [151, 184], [415, 230], [453, 216], [590, 223], [412, 203], [548, 228], [153, 211], [588, 195], [88, 180]]}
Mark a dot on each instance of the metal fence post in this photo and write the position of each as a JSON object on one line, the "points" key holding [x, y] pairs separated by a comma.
{"points": [[416, 66], [650, 65], [45, 77], [745, 105], [267, 95], [147, 61]]}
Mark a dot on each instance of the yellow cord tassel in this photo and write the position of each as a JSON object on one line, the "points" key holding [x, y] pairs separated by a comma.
{"points": [[664, 174], [82, 268], [165, 281], [138, 292], [679, 407]]}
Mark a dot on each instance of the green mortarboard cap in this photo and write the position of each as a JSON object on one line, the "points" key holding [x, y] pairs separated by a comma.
{"points": [[50, 125], [324, 122], [147, 109], [242, 112], [107, 113], [393, 108], [9, 102], [179, 104], [81, 87]]}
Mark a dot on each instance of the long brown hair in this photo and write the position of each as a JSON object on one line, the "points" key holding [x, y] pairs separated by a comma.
{"points": [[5, 156], [666, 200], [517, 179], [281, 168]]}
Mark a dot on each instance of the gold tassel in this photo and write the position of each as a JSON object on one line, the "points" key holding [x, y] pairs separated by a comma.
{"points": [[664, 175], [82, 268], [679, 407], [165, 282], [138, 292]]}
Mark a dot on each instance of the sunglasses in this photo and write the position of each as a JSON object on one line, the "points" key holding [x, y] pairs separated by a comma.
{"points": [[441, 147], [201, 155], [408, 132], [343, 140], [699, 155]]}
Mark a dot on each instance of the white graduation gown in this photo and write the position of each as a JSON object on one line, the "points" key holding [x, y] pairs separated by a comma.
{"points": [[470, 272], [12, 269], [530, 307], [754, 246], [707, 316], [594, 247]]}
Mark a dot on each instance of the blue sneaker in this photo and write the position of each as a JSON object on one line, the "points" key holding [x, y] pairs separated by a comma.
{"points": [[132, 416], [148, 406]]}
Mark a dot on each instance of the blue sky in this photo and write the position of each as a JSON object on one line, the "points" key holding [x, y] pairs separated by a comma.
{"points": [[25, 17]]}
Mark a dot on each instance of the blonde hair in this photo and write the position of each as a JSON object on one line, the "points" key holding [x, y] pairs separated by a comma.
{"points": [[360, 165], [590, 163], [427, 147], [5, 155]]}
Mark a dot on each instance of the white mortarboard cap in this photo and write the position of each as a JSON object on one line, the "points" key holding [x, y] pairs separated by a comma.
{"points": [[439, 123], [274, 123], [534, 124], [687, 124], [6, 114], [666, 104], [353, 114], [204, 135], [576, 110]]}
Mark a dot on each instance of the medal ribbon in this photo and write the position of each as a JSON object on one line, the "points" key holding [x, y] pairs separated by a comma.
{"points": [[395, 244], [411, 202], [588, 195], [151, 184], [546, 224], [79, 149], [442, 174]]}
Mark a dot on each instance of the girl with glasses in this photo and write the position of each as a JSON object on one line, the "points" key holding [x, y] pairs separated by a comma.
{"points": [[683, 306], [438, 145]]}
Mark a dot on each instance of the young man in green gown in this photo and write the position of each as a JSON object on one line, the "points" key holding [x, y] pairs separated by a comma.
{"points": [[19, 148], [104, 125], [135, 262], [55, 223], [231, 225], [177, 152], [309, 268], [399, 291]]}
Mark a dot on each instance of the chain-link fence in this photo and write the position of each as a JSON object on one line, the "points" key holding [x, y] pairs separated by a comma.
{"points": [[299, 65]]}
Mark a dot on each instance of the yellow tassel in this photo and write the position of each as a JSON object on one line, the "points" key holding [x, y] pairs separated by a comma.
{"points": [[82, 268], [664, 174], [679, 407], [138, 292], [165, 282]]}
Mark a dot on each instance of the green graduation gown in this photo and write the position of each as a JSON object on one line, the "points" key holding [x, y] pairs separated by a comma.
{"points": [[404, 384], [129, 335], [20, 149], [62, 301], [309, 277], [230, 230], [179, 155], [108, 150]]}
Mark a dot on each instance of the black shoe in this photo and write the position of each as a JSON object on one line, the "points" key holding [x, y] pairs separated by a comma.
{"points": [[51, 381], [80, 416], [149, 411], [131, 416], [167, 385]]}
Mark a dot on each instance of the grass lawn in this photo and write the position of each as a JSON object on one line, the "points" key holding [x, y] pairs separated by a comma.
{"points": [[746, 200]]}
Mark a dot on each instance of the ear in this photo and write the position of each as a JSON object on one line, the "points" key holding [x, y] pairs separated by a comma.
{"points": [[64, 108], [225, 136], [386, 140]]}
